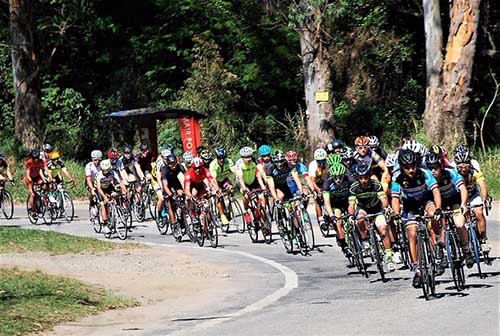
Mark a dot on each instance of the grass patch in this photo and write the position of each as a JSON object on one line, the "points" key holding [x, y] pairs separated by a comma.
{"points": [[490, 165], [33, 301], [23, 240]]}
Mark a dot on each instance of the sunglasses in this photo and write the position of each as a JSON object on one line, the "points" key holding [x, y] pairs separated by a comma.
{"points": [[247, 157], [409, 166], [463, 165], [362, 147], [338, 177]]}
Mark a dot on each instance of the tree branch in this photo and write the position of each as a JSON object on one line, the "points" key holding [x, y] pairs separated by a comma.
{"points": [[497, 87]]}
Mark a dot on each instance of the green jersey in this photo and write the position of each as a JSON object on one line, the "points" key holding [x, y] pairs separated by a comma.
{"points": [[222, 173]]}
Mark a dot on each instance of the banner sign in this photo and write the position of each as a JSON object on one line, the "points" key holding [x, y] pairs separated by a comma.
{"points": [[190, 133]]}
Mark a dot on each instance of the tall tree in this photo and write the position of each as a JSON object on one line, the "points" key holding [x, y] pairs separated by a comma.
{"points": [[28, 109], [448, 80]]}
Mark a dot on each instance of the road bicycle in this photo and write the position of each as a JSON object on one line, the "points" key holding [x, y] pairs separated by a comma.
{"points": [[204, 225], [6, 201], [353, 240], [377, 249], [256, 217], [117, 219], [454, 251], [474, 242], [182, 218], [233, 211]]}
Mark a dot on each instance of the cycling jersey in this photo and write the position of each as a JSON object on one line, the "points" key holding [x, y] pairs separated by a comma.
{"points": [[248, 172], [415, 193], [367, 197], [127, 164], [338, 192], [91, 170], [317, 172], [471, 180], [371, 159], [221, 173], [55, 167], [107, 180], [145, 162], [170, 176], [196, 179], [381, 152], [449, 183], [35, 167]]}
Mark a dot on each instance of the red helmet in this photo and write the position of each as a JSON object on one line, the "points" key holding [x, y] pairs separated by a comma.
{"points": [[291, 156], [361, 141], [113, 154], [197, 163]]}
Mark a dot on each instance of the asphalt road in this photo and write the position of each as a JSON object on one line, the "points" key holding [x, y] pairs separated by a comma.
{"points": [[316, 294]]}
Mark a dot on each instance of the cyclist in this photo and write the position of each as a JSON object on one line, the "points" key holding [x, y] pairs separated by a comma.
{"points": [[265, 156], [443, 154], [206, 157], [36, 172], [157, 181], [336, 193], [107, 182], [349, 162], [5, 171], [369, 157], [56, 165], [334, 147], [250, 174], [415, 188], [46, 150], [198, 180], [454, 196], [91, 170], [114, 157], [318, 169], [478, 193], [415, 147], [367, 197], [374, 144], [145, 159], [187, 158], [172, 179], [292, 157]]}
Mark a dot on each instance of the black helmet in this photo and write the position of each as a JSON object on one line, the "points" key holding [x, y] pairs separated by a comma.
{"points": [[144, 147], [199, 149], [336, 143], [278, 157], [127, 150], [35, 154], [363, 169], [407, 157], [205, 155], [433, 160], [462, 157], [221, 153], [171, 159]]}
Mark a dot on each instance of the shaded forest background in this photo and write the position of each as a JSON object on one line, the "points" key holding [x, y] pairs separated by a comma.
{"points": [[238, 62]]}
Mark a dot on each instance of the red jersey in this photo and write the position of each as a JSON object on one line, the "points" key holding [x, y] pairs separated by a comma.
{"points": [[34, 167], [192, 177]]}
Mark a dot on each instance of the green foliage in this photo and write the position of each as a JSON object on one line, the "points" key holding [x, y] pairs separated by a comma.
{"points": [[489, 165], [32, 302]]}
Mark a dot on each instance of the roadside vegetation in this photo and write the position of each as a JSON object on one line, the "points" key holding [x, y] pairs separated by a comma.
{"points": [[23, 240], [33, 302]]}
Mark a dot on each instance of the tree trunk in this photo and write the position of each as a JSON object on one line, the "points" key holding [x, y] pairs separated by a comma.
{"points": [[446, 106], [28, 109], [317, 78]]}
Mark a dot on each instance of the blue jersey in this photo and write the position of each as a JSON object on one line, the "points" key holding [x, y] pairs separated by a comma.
{"points": [[449, 183], [301, 170], [418, 189]]}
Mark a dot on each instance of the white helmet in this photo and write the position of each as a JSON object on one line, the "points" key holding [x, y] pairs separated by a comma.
{"points": [[165, 153], [320, 154], [106, 165], [373, 141], [187, 157], [415, 146], [246, 151], [96, 154], [390, 160]]}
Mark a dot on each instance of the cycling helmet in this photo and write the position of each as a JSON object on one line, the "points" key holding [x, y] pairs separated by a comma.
{"points": [[407, 157], [246, 151], [165, 153], [433, 160], [336, 143], [187, 157], [144, 147], [127, 150], [390, 160], [461, 149], [54, 155], [169, 147], [205, 155], [436, 149], [333, 159], [197, 162], [373, 141], [47, 148], [347, 153], [278, 157], [291, 156], [199, 149], [363, 169], [462, 157], [105, 165], [35, 154], [329, 148], [320, 154], [264, 150], [171, 159], [361, 141], [221, 153], [113, 154], [337, 169], [96, 154], [415, 146]]}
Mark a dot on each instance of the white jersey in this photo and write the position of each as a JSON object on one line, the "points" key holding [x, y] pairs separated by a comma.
{"points": [[91, 170], [107, 180]]}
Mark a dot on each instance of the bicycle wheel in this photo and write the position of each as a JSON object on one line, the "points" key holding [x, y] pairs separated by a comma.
{"points": [[190, 224], [299, 233], [96, 220], [252, 229], [265, 225], [423, 266], [286, 239], [176, 225], [212, 231], [68, 210], [455, 260], [308, 229], [120, 223], [377, 254], [163, 221], [474, 244], [358, 251], [138, 209], [32, 216], [152, 201], [7, 205], [200, 231], [236, 214], [431, 262]]}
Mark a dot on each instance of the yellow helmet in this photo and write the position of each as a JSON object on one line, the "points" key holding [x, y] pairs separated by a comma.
{"points": [[54, 155]]}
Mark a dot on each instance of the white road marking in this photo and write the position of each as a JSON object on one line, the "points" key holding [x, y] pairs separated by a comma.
{"points": [[291, 282]]}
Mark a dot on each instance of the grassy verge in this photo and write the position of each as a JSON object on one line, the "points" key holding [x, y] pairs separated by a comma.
{"points": [[33, 301], [490, 164], [22, 240]]}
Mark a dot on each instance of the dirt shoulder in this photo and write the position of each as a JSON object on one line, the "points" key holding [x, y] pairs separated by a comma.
{"points": [[165, 282]]}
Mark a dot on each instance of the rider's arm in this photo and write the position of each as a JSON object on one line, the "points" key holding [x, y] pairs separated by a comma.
{"points": [[395, 194], [139, 171], [9, 174], [483, 187], [328, 205], [99, 190], [67, 173], [296, 178], [272, 189], [27, 175], [260, 175]]}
